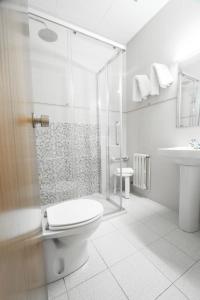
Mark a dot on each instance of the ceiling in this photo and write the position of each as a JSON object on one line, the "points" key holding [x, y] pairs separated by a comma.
{"points": [[118, 20]]}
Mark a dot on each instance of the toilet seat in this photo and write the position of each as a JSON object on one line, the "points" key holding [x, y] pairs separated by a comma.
{"points": [[73, 213]]}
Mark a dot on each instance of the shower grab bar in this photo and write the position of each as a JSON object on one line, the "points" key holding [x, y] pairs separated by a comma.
{"points": [[117, 132], [116, 159]]}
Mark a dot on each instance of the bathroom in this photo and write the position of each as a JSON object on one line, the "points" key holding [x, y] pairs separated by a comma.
{"points": [[107, 179]]}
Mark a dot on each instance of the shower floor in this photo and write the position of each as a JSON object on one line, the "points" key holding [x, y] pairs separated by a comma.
{"points": [[110, 206]]}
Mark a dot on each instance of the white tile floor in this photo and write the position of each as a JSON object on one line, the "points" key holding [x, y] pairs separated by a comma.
{"points": [[141, 255]]}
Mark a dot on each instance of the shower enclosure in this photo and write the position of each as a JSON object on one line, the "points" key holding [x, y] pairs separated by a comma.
{"points": [[77, 81]]}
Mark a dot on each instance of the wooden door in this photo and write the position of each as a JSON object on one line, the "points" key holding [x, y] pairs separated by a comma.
{"points": [[22, 274]]}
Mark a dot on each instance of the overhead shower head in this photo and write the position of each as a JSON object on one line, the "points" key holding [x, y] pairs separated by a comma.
{"points": [[47, 35]]}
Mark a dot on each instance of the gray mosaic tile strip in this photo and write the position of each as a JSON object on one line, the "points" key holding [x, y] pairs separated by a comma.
{"points": [[68, 161]]}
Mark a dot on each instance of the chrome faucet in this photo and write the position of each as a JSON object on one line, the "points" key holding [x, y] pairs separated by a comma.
{"points": [[194, 143]]}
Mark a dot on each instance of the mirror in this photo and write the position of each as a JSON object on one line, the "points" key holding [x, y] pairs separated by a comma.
{"points": [[188, 99]]}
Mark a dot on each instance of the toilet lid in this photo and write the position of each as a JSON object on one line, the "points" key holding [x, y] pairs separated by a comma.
{"points": [[73, 212]]}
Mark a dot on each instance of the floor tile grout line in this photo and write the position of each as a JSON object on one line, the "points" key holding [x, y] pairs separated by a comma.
{"points": [[88, 279], [109, 267], [54, 297], [92, 275], [139, 222], [66, 286], [181, 292], [180, 249], [132, 254], [157, 297], [118, 284], [127, 239], [196, 262], [94, 239], [146, 245], [137, 250], [157, 268], [100, 255], [169, 288], [162, 271], [164, 234]]}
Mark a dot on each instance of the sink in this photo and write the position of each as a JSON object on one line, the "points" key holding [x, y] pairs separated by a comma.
{"points": [[182, 155], [188, 159]]}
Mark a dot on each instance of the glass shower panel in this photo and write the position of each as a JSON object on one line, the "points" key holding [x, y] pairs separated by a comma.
{"points": [[115, 128], [85, 154], [93, 104], [110, 113]]}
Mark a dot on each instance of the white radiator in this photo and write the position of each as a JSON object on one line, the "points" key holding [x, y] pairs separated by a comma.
{"points": [[141, 166]]}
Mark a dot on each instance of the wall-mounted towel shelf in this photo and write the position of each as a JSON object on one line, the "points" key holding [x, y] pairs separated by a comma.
{"points": [[117, 159]]}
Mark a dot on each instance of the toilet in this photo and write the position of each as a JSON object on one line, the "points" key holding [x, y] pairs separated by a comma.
{"points": [[67, 227]]}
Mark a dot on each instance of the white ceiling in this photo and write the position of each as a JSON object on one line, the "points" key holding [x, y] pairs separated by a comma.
{"points": [[118, 20]]}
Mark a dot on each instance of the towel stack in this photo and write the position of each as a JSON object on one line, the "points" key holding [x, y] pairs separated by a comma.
{"points": [[160, 77]]}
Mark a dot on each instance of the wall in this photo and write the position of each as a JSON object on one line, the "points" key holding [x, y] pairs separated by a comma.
{"points": [[172, 34]]}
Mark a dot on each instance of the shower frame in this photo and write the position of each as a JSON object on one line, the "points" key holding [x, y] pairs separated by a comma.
{"points": [[35, 13], [37, 16]]}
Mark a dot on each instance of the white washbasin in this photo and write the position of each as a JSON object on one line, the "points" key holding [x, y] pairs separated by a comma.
{"points": [[188, 159], [186, 156]]}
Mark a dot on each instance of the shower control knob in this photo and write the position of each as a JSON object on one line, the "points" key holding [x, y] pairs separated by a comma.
{"points": [[43, 120]]}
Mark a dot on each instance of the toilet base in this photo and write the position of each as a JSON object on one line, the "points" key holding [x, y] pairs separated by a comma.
{"points": [[63, 257]]}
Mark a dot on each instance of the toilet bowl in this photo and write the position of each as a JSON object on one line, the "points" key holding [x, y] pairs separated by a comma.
{"points": [[66, 229]]}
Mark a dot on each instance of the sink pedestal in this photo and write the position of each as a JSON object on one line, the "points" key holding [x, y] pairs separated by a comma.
{"points": [[189, 201]]}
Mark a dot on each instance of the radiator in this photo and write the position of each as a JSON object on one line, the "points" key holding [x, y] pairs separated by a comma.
{"points": [[141, 166]]}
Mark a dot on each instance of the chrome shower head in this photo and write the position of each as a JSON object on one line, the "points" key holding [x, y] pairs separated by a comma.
{"points": [[47, 35]]}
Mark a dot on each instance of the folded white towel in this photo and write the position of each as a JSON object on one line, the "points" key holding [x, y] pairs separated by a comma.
{"points": [[136, 96], [160, 77], [154, 82], [125, 170], [141, 88]]}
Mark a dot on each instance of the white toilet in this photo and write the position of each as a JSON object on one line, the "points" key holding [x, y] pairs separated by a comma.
{"points": [[66, 229]]}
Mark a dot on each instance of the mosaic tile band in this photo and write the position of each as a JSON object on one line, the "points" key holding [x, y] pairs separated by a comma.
{"points": [[68, 161]]}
